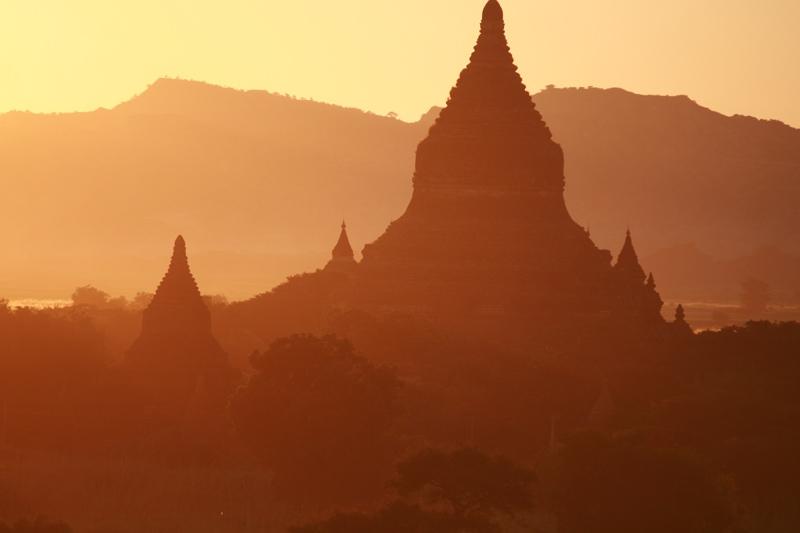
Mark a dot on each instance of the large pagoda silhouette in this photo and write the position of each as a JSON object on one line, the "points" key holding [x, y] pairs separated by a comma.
{"points": [[486, 246], [487, 232]]}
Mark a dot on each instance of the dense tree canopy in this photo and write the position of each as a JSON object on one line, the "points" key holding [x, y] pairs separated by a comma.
{"points": [[319, 416], [50, 363], [703, 433], [620, 485], [462, 491], [467, 482]]}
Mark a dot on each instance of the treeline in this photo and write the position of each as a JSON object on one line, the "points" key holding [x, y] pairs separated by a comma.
{"points": [[422, 431]]}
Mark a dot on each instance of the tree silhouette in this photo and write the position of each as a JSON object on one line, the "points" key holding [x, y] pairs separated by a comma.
{"points": [[50, 362], [319, 416], [90, 296], [460, 491], [469, 483], [141, 301], [620, 485]]}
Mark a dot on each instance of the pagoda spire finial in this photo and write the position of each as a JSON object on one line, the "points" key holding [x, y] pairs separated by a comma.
{"points": [[180, 245], [178, 273], [492, 16], [179, 258]]}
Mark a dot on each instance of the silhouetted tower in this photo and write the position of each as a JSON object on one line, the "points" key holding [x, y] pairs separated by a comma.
{"points": [[680, 325], [342, 257], [487, 231], [486, 242], [628, 267], [637, 297], [176, 355]]}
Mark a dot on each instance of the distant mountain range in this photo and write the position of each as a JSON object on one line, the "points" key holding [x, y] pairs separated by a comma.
{"points": [[258, 183]]}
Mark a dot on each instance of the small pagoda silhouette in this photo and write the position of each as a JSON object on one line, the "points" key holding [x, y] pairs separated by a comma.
{"points": [[176, 355], [342, 257]]}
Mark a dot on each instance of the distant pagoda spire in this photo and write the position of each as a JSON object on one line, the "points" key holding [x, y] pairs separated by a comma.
{"points": [[680, 325], [178, 285], [628, 262], [342, 256], [343, 250]]}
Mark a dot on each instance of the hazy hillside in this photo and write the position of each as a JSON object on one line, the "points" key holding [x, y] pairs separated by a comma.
{"points": [[675, 171], [258, 183], [686, 179]]}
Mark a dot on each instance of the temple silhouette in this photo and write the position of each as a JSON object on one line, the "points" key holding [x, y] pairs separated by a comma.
{"points": [[487, 232], [176, 355], [342, 256], [486, 246]]}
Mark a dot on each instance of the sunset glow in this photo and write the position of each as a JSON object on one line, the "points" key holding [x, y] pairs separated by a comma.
{"points": [[455, 266]]}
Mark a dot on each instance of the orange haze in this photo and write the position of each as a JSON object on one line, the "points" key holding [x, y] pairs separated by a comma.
{"points": [[735, 56]]}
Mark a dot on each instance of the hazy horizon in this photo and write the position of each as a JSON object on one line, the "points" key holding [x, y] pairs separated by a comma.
{"points": [[362, 54], [345, 163]]}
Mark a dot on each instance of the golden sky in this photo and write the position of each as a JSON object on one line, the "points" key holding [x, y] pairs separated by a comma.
{"points": [[735, 56]]}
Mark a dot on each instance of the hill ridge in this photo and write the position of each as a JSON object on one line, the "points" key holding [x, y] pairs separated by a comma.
{"points": [[268, 179]]}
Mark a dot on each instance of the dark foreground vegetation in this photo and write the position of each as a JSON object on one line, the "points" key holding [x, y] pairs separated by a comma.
{"points": [[386, 425]]}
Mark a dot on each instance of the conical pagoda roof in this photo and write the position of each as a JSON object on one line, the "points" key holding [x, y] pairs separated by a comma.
{"points": [[490, 89], [343, 250], [628, 262], [491, 124], [177, 303], [178, 284]]}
